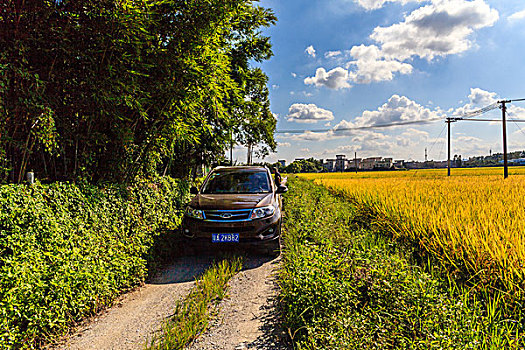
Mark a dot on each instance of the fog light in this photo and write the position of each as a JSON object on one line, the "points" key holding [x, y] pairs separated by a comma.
{"points": [[186, 230], [270, 230]]}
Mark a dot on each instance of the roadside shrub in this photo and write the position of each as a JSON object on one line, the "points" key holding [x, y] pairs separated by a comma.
{"points": [[68, 250]]}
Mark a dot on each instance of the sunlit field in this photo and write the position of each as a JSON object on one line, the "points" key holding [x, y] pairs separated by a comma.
{"points": [[473, 221]]}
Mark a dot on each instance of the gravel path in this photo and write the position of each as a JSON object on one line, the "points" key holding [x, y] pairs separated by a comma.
{"points": [[136, 316], [248, 318]]}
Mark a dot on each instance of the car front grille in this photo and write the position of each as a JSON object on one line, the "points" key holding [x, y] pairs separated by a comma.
{"points": [[221, 229], [227, 215]]}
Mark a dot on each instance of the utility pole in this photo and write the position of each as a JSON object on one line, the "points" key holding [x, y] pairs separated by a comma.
{"points": [[231, 147], [426, 155], [448, 121], [249, 155], [355, 161], [504, 121]]}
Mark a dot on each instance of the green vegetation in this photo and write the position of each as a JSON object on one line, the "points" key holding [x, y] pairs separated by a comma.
{"points": [[346, 285], [107, 89], [68, 250], [309, 165], [193, 313], [110, 91]]}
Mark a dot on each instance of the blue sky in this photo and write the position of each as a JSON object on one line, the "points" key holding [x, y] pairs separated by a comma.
{"points": [[352, 63]]}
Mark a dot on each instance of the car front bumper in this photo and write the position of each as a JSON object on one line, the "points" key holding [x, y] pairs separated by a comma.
{"points": [[250, 231]]}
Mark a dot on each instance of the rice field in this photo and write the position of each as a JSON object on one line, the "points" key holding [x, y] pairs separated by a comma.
{"points": [[473, 222]]}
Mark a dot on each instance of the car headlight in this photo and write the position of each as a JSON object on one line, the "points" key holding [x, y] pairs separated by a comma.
{"points": [[263, 212], [194, 213]]}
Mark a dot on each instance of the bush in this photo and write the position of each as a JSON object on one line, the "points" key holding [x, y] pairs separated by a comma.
{"points": [[66, 251]]}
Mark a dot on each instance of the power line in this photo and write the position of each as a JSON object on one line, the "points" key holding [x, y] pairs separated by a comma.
{"points": [[479, 111], [491, 120], [379, 126], [487, 108], [437, 139], [519, 128]]}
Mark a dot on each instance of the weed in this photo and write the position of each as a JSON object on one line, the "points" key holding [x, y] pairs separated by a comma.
{"points": [[193, 313]]}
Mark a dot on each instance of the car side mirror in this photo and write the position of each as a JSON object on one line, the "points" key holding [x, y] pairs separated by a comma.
{"points": [[282, 189], [194, 190]]}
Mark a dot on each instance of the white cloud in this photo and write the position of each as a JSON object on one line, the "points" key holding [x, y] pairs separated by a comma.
{"points": [[310, 51], [310, 136], [308, 113], [275, 86], [517, 16], [481, 98], [284, 144], [376, 4], [478, 98], [519, 135], [516, 112], [468, 139], [436, 30], [305, 150], [397, 109], [415, 134], [335, 79], [371, 66], [293, 74], [332, 54]]}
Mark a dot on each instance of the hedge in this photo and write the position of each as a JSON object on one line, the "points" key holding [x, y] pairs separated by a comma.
{"points": [[68, 250]]}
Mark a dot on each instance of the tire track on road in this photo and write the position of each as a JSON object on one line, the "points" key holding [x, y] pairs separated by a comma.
{"points": [[136, 316]]}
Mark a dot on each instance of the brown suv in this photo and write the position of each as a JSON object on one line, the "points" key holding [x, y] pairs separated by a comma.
{"points": [[236, 205]]}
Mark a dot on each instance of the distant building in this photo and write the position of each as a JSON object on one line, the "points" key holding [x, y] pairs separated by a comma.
{"points": [[353, 162], [384, 163], [340, 162], [329, 165], [519, 161], [370, 163], [399, 164], [440, 164]]}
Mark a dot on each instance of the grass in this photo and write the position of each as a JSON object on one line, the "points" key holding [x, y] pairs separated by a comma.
{"points": [[346, 285], [192, 314]]}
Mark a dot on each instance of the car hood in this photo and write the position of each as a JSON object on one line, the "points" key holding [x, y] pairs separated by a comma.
{"points": [[231, 201]]}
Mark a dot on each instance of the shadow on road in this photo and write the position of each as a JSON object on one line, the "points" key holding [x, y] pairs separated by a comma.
{"points": [[191, 265]]}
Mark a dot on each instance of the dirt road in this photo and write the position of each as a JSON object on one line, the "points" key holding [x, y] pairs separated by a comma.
{"points": [[246, 319], [249, 317]]}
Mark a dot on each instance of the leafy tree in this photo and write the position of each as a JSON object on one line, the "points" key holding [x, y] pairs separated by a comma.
{"points": [[111, 89], [251, 109], [310, 165]]}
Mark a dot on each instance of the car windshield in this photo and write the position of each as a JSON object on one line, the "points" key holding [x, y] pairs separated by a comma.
{"points": [[256, 181]]}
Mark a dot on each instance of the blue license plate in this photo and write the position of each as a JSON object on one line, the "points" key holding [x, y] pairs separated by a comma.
{"points": [[224, 237]]}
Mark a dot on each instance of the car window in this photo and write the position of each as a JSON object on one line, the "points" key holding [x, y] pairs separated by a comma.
{"points": [[237, 182]]}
